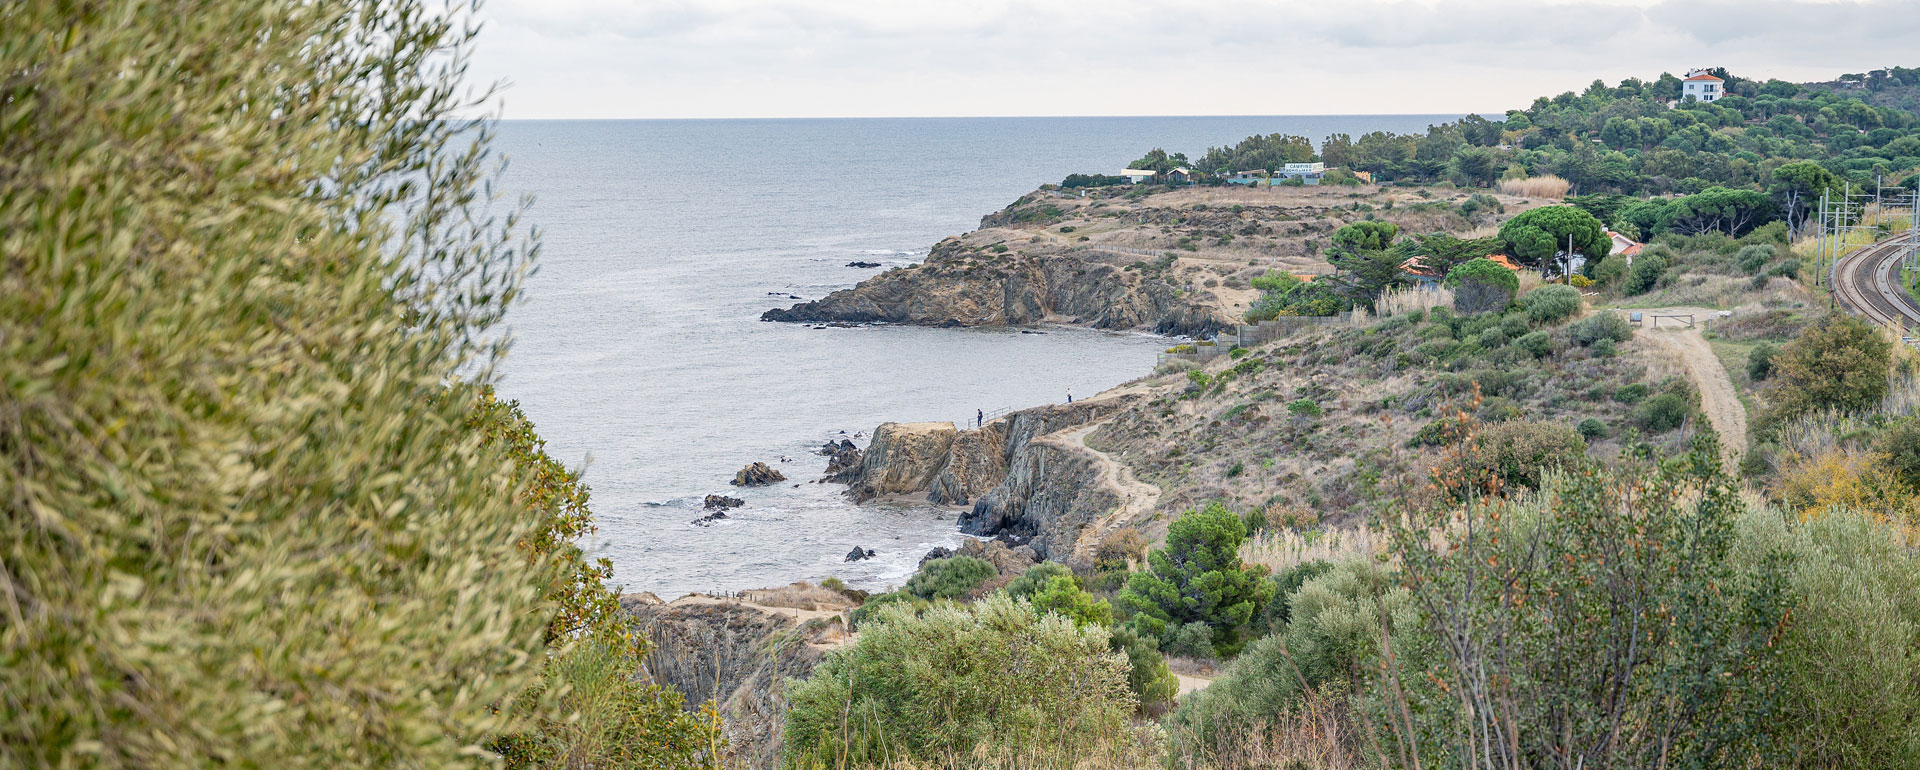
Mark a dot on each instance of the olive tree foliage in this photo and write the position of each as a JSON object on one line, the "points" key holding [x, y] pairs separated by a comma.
{"points": [[250, 255], [1606, 620]]}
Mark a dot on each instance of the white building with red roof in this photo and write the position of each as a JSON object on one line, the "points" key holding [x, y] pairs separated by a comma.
{"points": [[1702, 87]]}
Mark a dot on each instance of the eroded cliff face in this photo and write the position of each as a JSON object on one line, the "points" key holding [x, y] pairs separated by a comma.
{"points": [[736, 654], [959, 285], [903, 458], [976, 463], [1049, 496]]}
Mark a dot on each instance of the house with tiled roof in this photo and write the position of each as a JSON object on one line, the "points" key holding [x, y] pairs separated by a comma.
{"points": [[1624, 246], [1424, 278], [1702, 87]]}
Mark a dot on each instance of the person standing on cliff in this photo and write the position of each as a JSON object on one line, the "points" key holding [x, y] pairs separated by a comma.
{"points": [[979, 418], [1069, 395]]}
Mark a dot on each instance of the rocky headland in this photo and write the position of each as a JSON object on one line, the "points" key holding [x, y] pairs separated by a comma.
{"points": [[1174, 262]]}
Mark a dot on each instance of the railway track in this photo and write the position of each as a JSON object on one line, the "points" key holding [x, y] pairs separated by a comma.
{"points": [[1867, 284]]}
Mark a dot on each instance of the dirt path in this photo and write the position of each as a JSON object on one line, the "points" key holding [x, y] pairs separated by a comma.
{"points": [[1191, 683], [1137, 497], [1717, 396]]}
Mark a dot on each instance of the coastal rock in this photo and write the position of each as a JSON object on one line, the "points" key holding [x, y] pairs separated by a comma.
{"points": [[723, 502], [938, 552], [1050, 494], [1009, 561], [903, 457], [709, 518], [858, 554], [863, 264], [975, 463], [960, 286], [843, 460], [738, 654], [757, 474]]}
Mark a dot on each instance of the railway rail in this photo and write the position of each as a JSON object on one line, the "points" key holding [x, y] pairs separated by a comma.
{"points": [[1867, 284]]}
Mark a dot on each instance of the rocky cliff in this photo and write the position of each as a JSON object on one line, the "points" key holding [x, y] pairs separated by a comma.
{"points": [[904, 457], [737, 654], [1050, 494], [960, 284]]}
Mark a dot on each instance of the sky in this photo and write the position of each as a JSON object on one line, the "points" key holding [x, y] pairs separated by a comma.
{"points": [[921, 58]]}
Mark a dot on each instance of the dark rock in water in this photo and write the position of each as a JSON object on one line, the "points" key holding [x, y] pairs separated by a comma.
{"points": [[863, 264], [709, 518], [757, 474], [938, 552], [793, 296], [859, 553], [723, 502], [1030, 331], [843, 460]]}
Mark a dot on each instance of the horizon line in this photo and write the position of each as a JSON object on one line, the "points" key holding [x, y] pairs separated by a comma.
{"points": [[1501, 113]]}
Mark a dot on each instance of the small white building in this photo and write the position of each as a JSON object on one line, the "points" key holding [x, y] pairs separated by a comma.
{"points": [[1138, 175], [1702, 87]]}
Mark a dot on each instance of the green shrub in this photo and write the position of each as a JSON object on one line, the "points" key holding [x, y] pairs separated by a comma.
{"points": [[1192, 640], [1839, 363], [1303, 407], [1279, 612], [1063, 596], [1662, 413], [1606, 325], [995, 677], [950, 578], [874, 604], [1148, 676], [1628, 604], [1631, 393], [1511, 454], [607, 717], [1644, 275], [1551, 304], [1591, 428], [1481, 285], [1333, 641], [1034, 579], [1603, 348], [1900, 448], [1760, 361], [1492, 337], [1536, 343], [1198, 577], [1515, 324], [1752, 259]]}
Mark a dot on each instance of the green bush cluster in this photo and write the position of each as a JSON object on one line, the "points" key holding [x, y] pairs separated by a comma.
{"points": [[940, 688], [1551, 304], [949, 578], [1608, 326]]}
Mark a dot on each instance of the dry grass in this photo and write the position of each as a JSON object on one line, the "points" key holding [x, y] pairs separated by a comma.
{"points": [[1408, 300], [799, 596], [1280, 550], [1319, 733], [1537, 187]]}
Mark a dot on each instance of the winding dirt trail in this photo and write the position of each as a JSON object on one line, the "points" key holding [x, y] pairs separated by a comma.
{"points": [[1137, 497], [1717, 396]]}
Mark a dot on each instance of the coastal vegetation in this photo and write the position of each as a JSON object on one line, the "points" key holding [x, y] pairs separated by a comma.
{"points": [[265, 505]]}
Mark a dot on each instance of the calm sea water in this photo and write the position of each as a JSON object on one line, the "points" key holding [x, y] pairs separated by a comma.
{"points": [[638, 350]]}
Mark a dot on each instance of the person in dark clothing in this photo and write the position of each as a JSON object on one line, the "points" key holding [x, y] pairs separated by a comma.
{"points": [[979, 417]]}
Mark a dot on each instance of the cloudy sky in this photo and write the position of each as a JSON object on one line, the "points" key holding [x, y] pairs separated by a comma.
{"points": [[843, 58]]}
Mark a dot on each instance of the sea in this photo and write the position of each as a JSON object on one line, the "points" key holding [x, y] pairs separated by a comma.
{"points": [[639, 354]]}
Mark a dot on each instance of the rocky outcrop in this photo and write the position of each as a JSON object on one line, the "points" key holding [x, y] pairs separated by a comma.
{"points": [[757, 474], [975, 464], [958, 285], [1008, 560], [843, 460], [722, 502], [738, 655], [709, 518], [903, 457], [1051, 492], [957, 467], [860, 554]]}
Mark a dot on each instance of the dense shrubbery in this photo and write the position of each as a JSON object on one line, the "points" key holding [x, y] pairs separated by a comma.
{"points": [[1840, 363], [1626, 594], [1509, 454], [1551, 304], [1481, 286], [949, 578], [1285, 295], [1609, 326], [940, 687]]}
